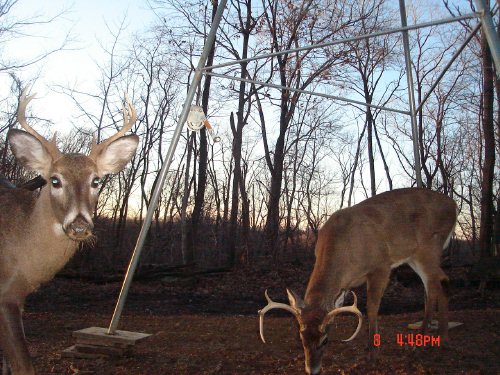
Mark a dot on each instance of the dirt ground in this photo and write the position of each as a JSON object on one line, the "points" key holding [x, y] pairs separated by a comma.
{"points": [[208, 324]]}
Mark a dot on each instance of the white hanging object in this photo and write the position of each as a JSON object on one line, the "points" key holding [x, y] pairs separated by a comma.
{"points": [[196, 120]]}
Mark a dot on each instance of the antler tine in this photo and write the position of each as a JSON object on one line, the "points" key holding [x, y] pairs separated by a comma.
{"points": [[272, 305], [129, 118], [348, 309], [51, 146], [129, 115], [21, 113]]}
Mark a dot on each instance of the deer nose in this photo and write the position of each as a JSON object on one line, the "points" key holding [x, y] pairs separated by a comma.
{"points": [[315, 371], [80, 228]]}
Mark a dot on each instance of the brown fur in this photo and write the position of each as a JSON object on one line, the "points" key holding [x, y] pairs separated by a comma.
{"points": [[362, 243], [382, 230], [40, 232]]}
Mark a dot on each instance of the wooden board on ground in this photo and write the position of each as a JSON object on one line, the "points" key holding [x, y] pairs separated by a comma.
{"points": [[433, 325], [100, 336], [95, 342]]}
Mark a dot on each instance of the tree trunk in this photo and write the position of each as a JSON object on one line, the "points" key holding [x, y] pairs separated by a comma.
{"points": [[238, 183], [355, 166], [273, 215], [371, 158], [486, 225], [186, 238], [233, 218], [203, 153]]}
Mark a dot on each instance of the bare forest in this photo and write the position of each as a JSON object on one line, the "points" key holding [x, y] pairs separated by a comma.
{"points": [[241, 215]]}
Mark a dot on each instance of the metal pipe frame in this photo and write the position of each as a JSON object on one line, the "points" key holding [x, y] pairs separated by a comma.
{"points": [[404, 29], [201, 69], [340, 98], [347, 40], [448, 65], [275, 86], [153, 203]]}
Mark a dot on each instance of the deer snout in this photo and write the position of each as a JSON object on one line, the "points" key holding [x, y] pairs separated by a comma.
{"points": [[313, 370], [313, 361], [79, 229]]}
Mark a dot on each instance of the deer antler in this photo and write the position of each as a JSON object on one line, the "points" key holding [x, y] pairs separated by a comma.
{"points": [[273, 305], [350, 309], [129, 118], [51, 146]]}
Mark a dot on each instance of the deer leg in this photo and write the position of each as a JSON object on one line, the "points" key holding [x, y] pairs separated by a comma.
{"points": [[430, 304], [437, 295], [376, 283], [12, 340], [436, 289], [443, 295]]}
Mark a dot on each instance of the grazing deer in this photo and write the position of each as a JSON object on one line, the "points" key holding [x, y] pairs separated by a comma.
{"points": [[40, 232], [362, 244]]}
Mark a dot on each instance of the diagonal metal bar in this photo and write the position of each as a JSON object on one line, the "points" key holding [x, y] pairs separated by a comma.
{"points": [[308, 92], [448, 65], [347, 40], [153, 203]]}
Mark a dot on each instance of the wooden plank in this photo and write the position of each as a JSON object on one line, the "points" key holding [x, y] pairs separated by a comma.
{"points": [[93, 341], [106, 350], [433, 325], [99, 336]]}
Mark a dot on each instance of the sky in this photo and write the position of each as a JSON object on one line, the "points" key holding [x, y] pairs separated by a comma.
{"points": [[86, 22]]}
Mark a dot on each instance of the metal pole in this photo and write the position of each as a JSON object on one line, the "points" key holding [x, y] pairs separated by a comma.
{"points": [[489, 31], [164, 169], [411, 94]]}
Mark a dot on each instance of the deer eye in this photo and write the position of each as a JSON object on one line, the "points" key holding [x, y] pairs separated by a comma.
{"points": [[95, 182], [56, 182], [323, 341]]}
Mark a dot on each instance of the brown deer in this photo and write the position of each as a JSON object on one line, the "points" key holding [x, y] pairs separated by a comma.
{"points": [[362, 244], [40, 232]]}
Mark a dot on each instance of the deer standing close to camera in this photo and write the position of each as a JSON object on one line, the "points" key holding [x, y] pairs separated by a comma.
{"points": [[40, 232], [362, 244]]}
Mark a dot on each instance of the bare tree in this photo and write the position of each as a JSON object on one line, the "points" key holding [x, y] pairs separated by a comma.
{"points": [[370, 60], [289, 25], [245, 24], [14, 27]]}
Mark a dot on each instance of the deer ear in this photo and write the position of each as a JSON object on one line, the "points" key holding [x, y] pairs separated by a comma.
{"points": [[118, 153], [29, 151], [295, 301]]}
